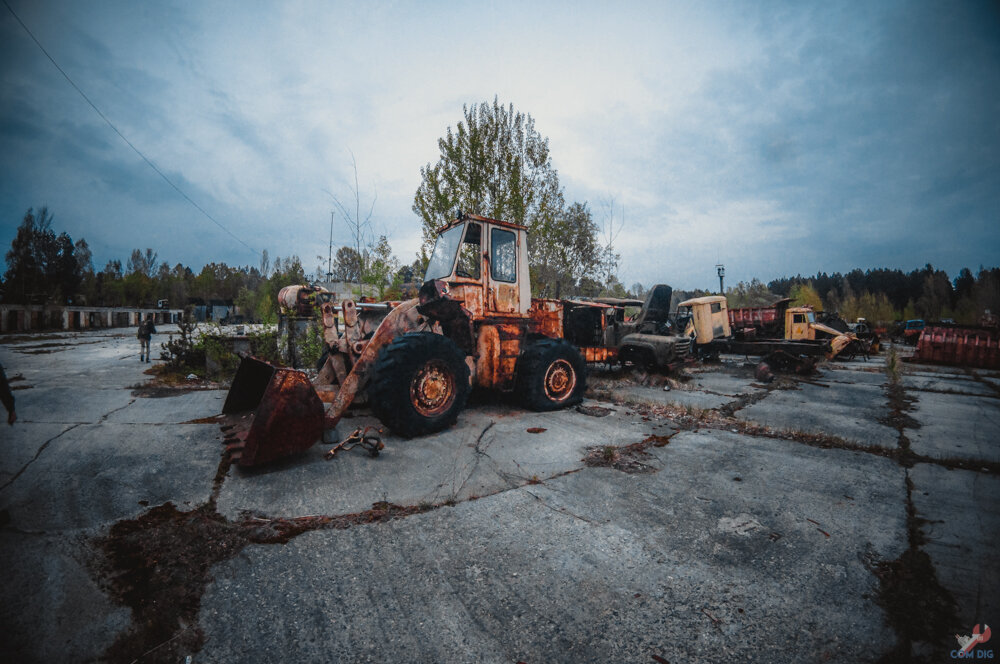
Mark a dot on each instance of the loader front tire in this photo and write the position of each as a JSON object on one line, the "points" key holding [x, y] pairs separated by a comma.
{"points": [[419, 384], [551, 375]]}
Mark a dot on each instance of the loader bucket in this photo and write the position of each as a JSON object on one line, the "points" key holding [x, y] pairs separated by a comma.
{"points": [[287, 414]]}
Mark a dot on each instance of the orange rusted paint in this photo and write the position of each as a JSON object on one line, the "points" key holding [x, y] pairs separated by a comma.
{"points": [[546, 317], [598, 354], [488, 356]]}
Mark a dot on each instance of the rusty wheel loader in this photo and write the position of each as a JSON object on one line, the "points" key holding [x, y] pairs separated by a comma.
{"points": [[474, 323]]}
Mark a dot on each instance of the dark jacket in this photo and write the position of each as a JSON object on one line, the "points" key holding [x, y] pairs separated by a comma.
{"points": [[146, 329], [5, 394]]}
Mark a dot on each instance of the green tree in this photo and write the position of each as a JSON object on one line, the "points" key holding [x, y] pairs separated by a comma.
{"points": [[494, 163], [557, 267], [42, 267], [142, 263], [753, 294], [381, 266], [347, 265], [804, 295]]}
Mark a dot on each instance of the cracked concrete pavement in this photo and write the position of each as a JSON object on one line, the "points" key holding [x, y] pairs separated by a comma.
{"points": [[738, 546]]}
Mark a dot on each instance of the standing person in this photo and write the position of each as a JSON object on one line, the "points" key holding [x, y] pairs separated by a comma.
{"points": [[7, 397], [146, 332]]}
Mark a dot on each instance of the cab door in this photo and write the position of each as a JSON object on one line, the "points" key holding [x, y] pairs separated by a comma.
{"points": [[502, 281], [799, 325]]}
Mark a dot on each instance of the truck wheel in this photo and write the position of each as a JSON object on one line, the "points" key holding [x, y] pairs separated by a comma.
{"points": [[640, 358], [419, 384], [551, 374]]}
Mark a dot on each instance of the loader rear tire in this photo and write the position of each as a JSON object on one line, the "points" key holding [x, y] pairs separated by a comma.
{"points": [[551, 375], [419, 384]]}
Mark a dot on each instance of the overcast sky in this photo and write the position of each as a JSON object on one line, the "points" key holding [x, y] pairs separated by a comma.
{"points": [[775, 137]]}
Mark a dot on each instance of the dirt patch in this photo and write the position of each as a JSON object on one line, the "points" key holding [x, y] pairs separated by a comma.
{"points": [[627, 458], [167, 383], [920, 610], [159, 565], [160, 392], [214, 419], [594, 411]]}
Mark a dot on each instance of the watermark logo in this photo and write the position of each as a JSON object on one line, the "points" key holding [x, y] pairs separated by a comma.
{"points": [[968, 644]]}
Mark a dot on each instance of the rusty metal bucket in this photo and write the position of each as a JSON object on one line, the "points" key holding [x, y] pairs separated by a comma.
{"points": [[287, 413]]}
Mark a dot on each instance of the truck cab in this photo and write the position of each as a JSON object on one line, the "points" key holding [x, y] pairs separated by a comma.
{"points": [[485, 264]]}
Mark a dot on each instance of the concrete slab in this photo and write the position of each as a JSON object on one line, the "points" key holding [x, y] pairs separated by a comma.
{"points": [[655, 396], [20, 444], [52, 610], [488, 450], [720, 382], [69, 405], [956, 426], [94, 475], [852, 412], [595, 566], [946, 383], [962, 512], [870, 374], [175, 409]]}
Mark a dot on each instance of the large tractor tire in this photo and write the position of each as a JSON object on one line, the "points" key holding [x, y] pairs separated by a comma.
{"points": [[551, 374], [419, 384]]}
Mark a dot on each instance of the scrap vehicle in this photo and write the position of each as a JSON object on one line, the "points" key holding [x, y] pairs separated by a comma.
{"points": [[961, 345], [781, 321], [912, 330], [867, 333], [713, 327], [473, 323], [649, 340]]}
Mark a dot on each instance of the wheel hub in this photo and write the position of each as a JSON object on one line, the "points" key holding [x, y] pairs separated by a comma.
{"points": [[432, 389], [560, 380]]}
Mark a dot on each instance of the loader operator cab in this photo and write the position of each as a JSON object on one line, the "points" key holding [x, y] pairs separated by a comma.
{"points": [[485, 263]]}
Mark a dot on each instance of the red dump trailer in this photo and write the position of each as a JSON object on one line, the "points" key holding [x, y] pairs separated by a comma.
{"points": [[960, 346], [756, 321]]}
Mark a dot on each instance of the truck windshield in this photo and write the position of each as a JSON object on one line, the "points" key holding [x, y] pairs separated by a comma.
{"points": [[812, 317], [443, 259]]}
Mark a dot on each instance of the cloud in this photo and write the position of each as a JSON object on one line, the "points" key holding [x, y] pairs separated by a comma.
{"points": [[779, 137]]}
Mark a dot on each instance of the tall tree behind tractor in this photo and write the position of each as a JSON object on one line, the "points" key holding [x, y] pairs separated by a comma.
{"points": [[474, 323]]}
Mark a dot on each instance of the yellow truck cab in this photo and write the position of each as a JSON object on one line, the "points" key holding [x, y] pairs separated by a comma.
{"points": [[709, 318]]}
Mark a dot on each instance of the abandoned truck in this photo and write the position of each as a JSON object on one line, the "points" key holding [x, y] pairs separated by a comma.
{"points": [[781, 331], [650, 340], [473, 323]]}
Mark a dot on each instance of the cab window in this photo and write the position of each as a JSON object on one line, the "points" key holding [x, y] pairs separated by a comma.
{"points": [[503, 263], [798, 318], [470, 253], [716, 307]]}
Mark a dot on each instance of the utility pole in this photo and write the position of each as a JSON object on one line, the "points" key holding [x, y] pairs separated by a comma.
{"points": [[329, 260], [721, 270]]}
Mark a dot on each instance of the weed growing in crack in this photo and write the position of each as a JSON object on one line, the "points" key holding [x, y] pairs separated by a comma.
{"points": [[893, 366]]}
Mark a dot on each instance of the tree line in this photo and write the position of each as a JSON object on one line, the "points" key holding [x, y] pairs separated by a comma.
{"points": [[495, 163], [883, 295]]}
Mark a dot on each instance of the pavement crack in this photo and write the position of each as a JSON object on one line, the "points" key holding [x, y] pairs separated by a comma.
{"points": [[560, 510], [917, 606], [974, 375], [108, 414], [37, 454], [480, 453]]}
